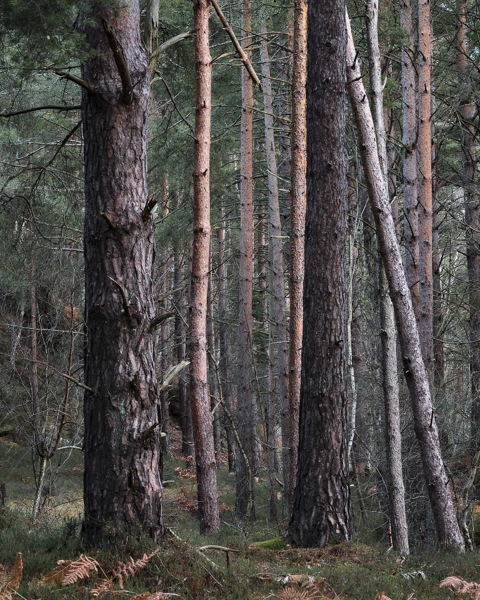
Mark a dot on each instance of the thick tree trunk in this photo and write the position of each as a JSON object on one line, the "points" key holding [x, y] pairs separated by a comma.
{"points": [[246, 417], [297, 233], [122, 484], [414, 367], [472, 217], [199, 392], [322, 509]]}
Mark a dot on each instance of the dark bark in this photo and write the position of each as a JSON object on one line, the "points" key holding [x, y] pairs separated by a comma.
{"points": [[122, 484], [322, 509]]}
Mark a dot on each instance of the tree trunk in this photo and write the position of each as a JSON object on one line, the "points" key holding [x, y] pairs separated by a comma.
{"points": [[409, 141], [391, 393], [472, 217], [425, 197], [199, 393], [224, 340], [212, 374], [322, 509], [414, 367], [122, 484], [246, 417], [275, 244], [297, 233]]}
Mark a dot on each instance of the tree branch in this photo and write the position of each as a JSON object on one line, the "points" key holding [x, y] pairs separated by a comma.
{"points": [[120, 61], [78, 80], [159, 49], [46, 107], [160, 319], [236, 43]]}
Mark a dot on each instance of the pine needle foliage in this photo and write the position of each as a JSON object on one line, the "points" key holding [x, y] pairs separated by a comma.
{"points": [[9, 584]]}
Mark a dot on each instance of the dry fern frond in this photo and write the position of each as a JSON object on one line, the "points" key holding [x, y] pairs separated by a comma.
{"points": [[77, 569], [102, 585], [10, 584], [148, 596], [462, 586], [294, 593], [3, 577], [382, 596], [126, 570]]}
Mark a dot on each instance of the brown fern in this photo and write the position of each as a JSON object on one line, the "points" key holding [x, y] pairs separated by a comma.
{"points": [[462, 586], [77, 569], [125, 570], [102, 585], [154, 596], [10, 584]]}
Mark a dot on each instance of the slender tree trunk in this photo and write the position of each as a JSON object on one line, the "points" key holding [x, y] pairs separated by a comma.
{"points": [[246, 416], [212, 375], [297, 233], [472, 216], [391, 393], [223, 339], [409, 141], [164, 335], [180, 348], [322, 509], [276, 254], [199, 393], [122, 484], [414, 367], [425, 196]]}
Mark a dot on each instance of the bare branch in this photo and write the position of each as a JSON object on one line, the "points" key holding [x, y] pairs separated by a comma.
{"points": [[236, 43], [46, 107], [78, 80]]}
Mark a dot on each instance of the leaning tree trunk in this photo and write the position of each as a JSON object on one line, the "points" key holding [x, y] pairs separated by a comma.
{"points": [[414, 367], [322, 509], [199, 392], [298, 197], [391, 392], [122, 484]]}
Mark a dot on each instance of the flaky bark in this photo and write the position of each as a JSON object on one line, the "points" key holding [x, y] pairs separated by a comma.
{"points": [[122, 484], [199, 393], [414, 367], [297, 232], [246, 417], [322, 509]]}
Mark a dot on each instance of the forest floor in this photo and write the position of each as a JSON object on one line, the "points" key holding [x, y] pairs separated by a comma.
{"points": [[257, 566]]}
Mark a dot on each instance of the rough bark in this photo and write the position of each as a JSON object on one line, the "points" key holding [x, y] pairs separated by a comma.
{"points": [[122, 484], [322, 509], [212, 375], [246, 417], [414, 367], [199, 392], [297, 232]]}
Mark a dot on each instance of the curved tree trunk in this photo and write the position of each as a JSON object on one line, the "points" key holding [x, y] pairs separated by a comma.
{"points": [[122, 484]]}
